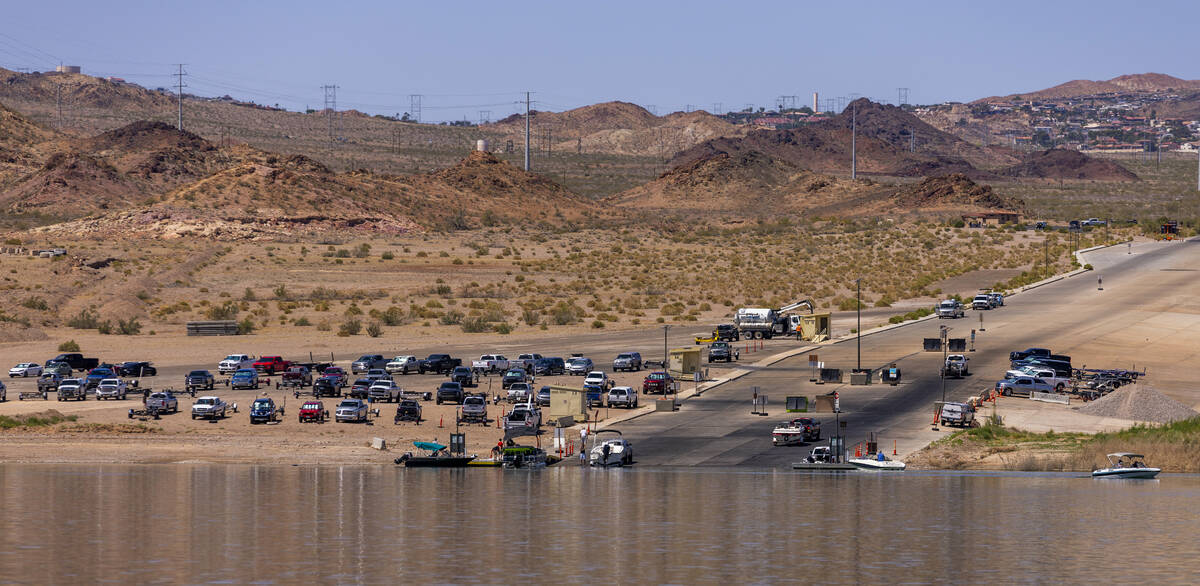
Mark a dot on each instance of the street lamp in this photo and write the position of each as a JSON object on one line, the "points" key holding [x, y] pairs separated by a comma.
{"points": [[945, 354], [858, 308]]}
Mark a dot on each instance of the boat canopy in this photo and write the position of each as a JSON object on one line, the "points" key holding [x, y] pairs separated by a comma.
{"points": [[1126, 455], [431, 446]]}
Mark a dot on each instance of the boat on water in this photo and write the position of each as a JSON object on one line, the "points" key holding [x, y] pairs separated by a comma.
{"points": [[437, 457], [879, 462], [522, 457], [612, 451], [1126, 465]]}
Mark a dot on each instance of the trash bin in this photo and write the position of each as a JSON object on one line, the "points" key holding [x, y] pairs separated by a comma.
{"points": [[862, 377]]}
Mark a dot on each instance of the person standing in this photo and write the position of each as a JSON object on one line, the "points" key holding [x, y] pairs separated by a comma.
{"points": [[583, 434]]}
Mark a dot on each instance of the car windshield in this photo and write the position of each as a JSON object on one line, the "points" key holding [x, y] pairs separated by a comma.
{"points": [[198, 373], [579, 361], [261, 403], [618, 391], [657, 376], [110, 382], [349, 404], [205, 402], [473, 401], [311, 406]]}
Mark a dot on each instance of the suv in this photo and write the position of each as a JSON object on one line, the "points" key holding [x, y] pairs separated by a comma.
{"points": [[579, 366], [549, 366], [981, 301], [198, 379], [627, 361], [359, 389], [543, 396], [960, 414], [449, 392], [402, 364], [367, 362], [313, 411], [950, 308], [623, 396], [264, 410], [721, 351], [464, 376], [658, 382]]}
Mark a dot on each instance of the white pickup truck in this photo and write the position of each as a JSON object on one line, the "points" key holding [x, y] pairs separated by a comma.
{"points": [[112, 388], [490, 363], [1049, 376], [234, 363], [209, 408]]}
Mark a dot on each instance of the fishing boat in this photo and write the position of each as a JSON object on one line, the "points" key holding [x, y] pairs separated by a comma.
{"points": [[1126, 465], [437, 457], [879, 462], [613, 451], [522, 457]]}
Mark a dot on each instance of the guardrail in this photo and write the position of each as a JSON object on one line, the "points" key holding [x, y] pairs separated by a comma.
{"points": [[212, 328]]}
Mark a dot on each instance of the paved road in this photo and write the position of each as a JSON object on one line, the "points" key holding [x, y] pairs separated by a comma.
{"points": [[1147, 291]]}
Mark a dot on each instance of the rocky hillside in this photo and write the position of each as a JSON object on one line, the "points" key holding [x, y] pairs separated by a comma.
{"points": [[1138, 82], [1068, 164], [955, 192]]}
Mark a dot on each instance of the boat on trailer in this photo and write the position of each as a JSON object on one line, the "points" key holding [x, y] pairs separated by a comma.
{"points": [[1126, 465]]}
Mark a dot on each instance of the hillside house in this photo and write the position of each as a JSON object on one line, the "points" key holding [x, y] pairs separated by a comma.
{"points": [[992, 218]]}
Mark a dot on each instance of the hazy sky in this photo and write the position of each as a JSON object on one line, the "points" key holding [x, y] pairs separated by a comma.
{"points": [[465, 57]]}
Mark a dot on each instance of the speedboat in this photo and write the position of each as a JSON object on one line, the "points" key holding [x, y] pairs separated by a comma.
{"points": [[879, 462], [438, 457], [522, 457], [1126, 465], [794, 432], [615, 451]]}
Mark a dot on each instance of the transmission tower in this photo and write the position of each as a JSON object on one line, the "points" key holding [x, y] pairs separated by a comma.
{"points": [[58, 104], [717, 107], [330, 109], [787, 102], [485, 116], [902, 96], [653, 109], [688, 108], [414, 106], [179, 94]]}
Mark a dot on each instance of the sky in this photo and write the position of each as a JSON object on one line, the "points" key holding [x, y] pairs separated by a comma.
{"points": [[469, 57]]}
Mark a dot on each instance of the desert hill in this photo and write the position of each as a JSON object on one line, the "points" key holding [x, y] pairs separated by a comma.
{"points": [[953, 192], [20, 144], [79, 90], [1067, 164], [1133, 83]]}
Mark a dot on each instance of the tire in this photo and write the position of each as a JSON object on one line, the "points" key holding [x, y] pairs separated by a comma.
{"points": [[193, 416], [1060, 387]]}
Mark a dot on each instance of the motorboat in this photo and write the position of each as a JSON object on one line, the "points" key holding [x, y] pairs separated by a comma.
{"points": [[1126, 465], [879, 462], [522, 457], [437, 457], [795, 432], [614, 451]]}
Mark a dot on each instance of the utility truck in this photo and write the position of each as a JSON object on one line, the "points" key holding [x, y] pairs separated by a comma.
{"points": [[762, 322]]}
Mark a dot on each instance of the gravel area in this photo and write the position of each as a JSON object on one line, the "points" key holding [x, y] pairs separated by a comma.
{"points": [[1139, 402]]}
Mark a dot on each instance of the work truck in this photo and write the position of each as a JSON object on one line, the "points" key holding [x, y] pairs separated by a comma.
{"points": [[766, 323]]}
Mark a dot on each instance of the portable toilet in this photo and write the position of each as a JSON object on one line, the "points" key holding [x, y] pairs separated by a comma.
{"points": [[684, 361], [815, 327], [567, 402]]}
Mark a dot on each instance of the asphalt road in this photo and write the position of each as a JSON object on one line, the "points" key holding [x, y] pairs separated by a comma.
{"points": [[1142, 287]]}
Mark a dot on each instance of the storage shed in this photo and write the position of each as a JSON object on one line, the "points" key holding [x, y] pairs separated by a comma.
{"points": [[684, 361]]}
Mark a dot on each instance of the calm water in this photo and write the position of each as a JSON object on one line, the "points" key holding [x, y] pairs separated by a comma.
{"points": [[276, 524]]}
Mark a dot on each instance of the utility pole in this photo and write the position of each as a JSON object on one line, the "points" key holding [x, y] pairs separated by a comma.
{"points": [[665, 355], [902, 96], [179, 95], [912, 141], [853, 143], [858, 308], [527, 132], [58, 103]]}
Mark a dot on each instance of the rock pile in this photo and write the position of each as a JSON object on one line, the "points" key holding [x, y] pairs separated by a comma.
{"points": [[1139, 402]]}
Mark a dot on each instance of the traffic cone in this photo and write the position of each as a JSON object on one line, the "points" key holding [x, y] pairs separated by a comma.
{"points": [[441, 420], [857, 450], [893, 447]]}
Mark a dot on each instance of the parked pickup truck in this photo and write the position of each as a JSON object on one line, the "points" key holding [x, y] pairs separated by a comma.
{"points": [[956, 366], [960, 414], [631, 361], [449, 392], [490, 363], [48, 382], [474, 410], [72, 388], [198, 379], [623, 397], [163, 402], [1046, 374], [520, 392], [524, 418], [658, 382], [1022, 386], [721, 351], [982, 301], [383, 390], [271, 364], [297, 376], [209, 408], [77, 361], [112, 388], [525, 361], [439, 363], [402, 364], [367, 362], [464, 376], [234, 363]]}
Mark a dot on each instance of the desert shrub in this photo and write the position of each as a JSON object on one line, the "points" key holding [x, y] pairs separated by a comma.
{"points": [[530, 317], [129, 327], [474, 325], [363, 250], [246, 326], [374, 329], [248, 295], [393, 316], [323, 326], [225, 311], [452, 317], [280, 292], [502, 328], [105, 327], [69, 346], [86, 319], [387, 256], [303, 321], [351, 327], [35, 303], [597, 324]]}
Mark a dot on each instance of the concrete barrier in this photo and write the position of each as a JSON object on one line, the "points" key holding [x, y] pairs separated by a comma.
{"points": [[1051, 398]]}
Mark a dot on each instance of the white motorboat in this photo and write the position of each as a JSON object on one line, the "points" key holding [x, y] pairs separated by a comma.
{"points": [[615, 451], [880, 462], [796, 432], [1126, 465]]}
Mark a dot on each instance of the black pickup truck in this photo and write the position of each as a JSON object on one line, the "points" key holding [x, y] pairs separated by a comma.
{"points": [[439, 363], [464, 376], [76, 360]]}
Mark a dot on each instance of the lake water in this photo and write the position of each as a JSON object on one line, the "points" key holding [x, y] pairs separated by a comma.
{"points": [[281, 524]]}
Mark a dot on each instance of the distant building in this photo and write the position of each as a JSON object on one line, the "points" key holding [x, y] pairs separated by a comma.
{"points": [[992, 218]]}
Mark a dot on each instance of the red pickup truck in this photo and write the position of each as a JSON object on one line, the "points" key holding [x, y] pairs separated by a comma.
{"points": [[272, 364], [658, 382]]}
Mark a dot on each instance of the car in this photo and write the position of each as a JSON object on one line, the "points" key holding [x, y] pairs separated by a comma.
{"points": [[982, 301], [235, 362], [512, 376], [360, 388], [950, 309], [313, 411], [722, 351], [138, 368], [367, 362], [549, 366], [474, 409], [960, 414], [1022, 386], [464, 376], [264, 410], [449, 392], [72, 388], [25, 369], [199, 379], [1074, 226], [1040, 226], [209, 407], [385, 390], [520, 392], [325, 387], [599, 378], [524, 417], [111, 388], [579, 366], [402, 364], [623, 397], [408, 410], [1029, 353], [162, 401], [246, 378], [350, 410], [997, 298], [658, 382], [631, 361], [337, 375], [60, 368], [543, 396]]}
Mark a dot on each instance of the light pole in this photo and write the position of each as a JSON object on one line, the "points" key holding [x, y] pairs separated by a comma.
{"points": [[858, 308], [665, 355], [945, 354]]}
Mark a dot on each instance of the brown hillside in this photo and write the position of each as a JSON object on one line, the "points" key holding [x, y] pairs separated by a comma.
{"points": [[69, 184], [79, 90], [585, 120], [1140, 82], [1068, 164], [955, 191], [21, 144]]}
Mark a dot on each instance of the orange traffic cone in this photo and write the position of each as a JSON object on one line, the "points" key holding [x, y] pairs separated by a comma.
{"points": [[441, 420], [893, 447], [857, 450]]}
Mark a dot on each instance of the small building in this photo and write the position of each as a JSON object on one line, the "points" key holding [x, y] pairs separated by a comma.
{"points": [[992, 218], [683, 361], [567, 402], [68, 69]]}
